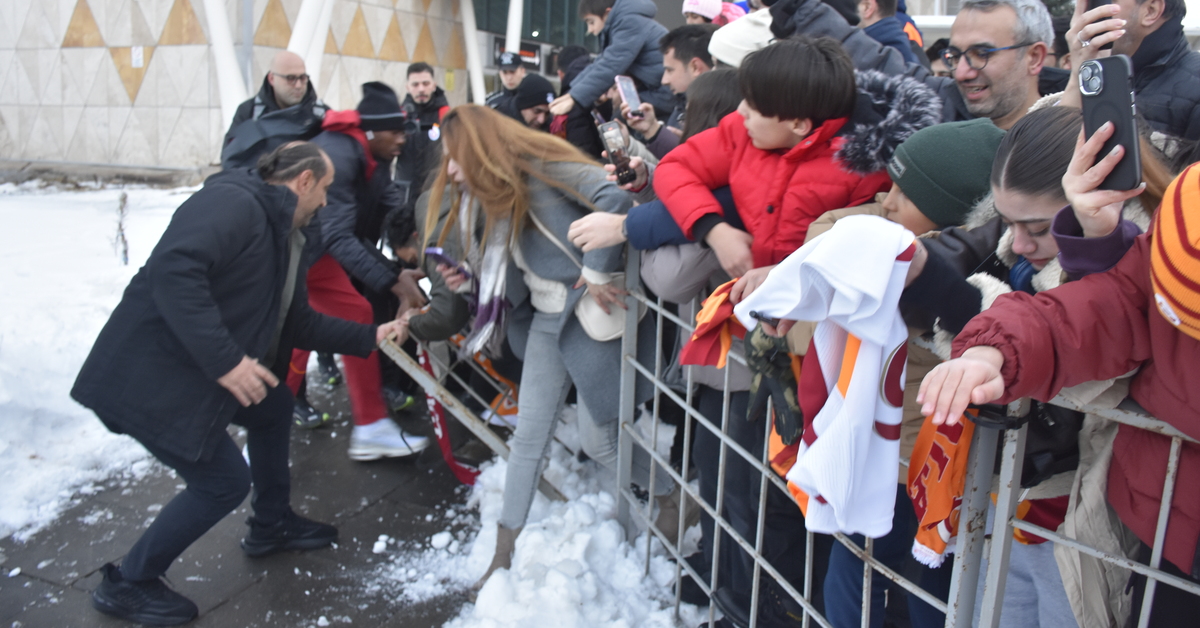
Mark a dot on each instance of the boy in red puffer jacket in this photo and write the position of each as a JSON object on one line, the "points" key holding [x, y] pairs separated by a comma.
{"points": [[808, 137]]}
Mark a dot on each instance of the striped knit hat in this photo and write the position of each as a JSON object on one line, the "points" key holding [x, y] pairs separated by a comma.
{"points": [[1175, 254]]}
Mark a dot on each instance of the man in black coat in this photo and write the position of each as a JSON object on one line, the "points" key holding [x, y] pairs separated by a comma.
{"points": [[1166, 71], [284, 110], [200, 340], [361, 143], [423, 150]]}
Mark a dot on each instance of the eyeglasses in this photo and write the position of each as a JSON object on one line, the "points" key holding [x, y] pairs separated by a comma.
{"points": [[977, 56], [292, 78]]}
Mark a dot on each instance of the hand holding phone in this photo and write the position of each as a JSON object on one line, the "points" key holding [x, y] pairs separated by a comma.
{"points": [[629, 94], [614, 145], [437, 254], [1106, 89]]}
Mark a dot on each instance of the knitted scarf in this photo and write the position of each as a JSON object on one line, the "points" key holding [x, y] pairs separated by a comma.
{"points": [[488, 297]]}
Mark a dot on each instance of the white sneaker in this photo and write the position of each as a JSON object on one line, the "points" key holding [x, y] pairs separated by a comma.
{"points": [[384, 439]]}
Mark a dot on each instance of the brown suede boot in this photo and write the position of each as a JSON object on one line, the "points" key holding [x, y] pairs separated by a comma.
{"points": [[668, 515], [506, 541]]}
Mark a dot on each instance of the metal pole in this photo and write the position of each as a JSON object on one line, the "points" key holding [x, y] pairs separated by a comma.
{"points": [[302, 30], [248, 44], [471, 42], [1006, 507], [1160, 531], [230, 82], [971, 524], [512, 33], [316, 48], [628, 400]]}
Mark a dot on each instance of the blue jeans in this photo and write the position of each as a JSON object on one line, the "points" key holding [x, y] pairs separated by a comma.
{"points": [[844, 578]]}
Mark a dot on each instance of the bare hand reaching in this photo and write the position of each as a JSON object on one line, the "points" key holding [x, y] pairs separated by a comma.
{"points": [[1090, 30], [248, 381], [951, 386]]}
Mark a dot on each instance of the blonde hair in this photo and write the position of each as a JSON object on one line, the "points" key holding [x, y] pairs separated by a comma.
{"points": [[496, 155]]}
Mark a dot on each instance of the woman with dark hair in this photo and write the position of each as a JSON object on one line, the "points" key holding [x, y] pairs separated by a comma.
{"points": [[513, 193], [1007, 246], [711, 96]]}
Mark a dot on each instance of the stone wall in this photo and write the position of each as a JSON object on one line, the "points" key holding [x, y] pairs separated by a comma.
{"points": [[132, 82]]}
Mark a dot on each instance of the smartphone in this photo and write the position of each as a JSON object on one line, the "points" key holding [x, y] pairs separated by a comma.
{"points": [[614, 143], [772, 321], [1107, 89], [438, 255], [599, 119], [630, 95], [1099, 3]]}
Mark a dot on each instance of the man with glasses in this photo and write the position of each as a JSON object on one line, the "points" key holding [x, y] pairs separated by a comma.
{"points": [[1001, 74], [284, 110]]}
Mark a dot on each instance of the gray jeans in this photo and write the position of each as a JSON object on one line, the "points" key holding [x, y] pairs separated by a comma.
{"points": [[544, 387]]}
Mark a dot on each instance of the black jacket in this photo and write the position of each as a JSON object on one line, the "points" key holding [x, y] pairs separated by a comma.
{"points": [[1166, 79], [423, 149], [259, 126], [351, 224], [208, 296]]}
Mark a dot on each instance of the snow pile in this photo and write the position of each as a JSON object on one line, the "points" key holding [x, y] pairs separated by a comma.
{"points": [[62, 277], [572, 565]]}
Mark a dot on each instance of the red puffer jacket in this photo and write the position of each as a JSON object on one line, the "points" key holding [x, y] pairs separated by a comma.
{"points": [[1097, 328], [779, 193]]}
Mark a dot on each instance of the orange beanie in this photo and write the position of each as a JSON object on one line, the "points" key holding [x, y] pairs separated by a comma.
{"points": [[1175, 253]]}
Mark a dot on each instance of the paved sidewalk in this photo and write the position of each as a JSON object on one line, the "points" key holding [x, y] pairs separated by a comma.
{"points": [[59, 565]]}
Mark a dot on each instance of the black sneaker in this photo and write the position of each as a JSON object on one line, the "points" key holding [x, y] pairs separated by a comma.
{"points": [[328, 368], [149, 602], [307, 417], [397, 400], [292, 532]]}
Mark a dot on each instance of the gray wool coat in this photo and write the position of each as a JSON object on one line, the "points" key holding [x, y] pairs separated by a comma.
{"points": [[593, 366]]}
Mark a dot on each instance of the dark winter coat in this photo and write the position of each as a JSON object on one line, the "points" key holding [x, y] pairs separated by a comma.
{"points": [[208, 296], [890, 32], [629, 46], [500, 98], [424, 147], [349, 227], [260, 126], [814, 18], [1166, 79], [840, 164]]}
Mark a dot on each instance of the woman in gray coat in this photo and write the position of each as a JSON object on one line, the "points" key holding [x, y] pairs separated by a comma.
{"points": [[515, 193]]}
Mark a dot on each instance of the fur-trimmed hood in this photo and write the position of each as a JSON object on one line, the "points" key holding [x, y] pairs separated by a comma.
{"points": [[1051, 276], [888, 110]]}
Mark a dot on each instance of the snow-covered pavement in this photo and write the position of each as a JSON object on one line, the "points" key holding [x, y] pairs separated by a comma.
{"points": [[63, 274]]}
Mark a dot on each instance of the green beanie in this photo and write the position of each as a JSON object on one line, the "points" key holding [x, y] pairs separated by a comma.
{"points": [[944, 169]]}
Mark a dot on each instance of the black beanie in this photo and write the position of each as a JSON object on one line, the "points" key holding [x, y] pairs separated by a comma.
{"points": [[534, 90], [380, 109]]}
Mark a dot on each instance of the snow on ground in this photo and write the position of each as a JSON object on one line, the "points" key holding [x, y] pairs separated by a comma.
{"points": [[572, 566], [62, 277]]}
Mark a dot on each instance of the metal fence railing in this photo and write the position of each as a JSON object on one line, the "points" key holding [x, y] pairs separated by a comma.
{"points": [[973, 544]]}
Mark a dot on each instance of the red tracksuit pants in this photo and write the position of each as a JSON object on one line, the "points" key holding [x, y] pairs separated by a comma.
{"points": [[330, 293]]}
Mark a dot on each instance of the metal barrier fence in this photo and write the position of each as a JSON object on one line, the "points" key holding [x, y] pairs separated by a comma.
{"points": [[972, 544]]}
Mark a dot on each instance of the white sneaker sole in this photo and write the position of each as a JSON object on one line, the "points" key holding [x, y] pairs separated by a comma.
{"points": [[369, 452]]}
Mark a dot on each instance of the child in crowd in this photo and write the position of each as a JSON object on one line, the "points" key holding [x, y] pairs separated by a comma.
{"points": [[802, 144], [628, 38], [711, 12]]}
